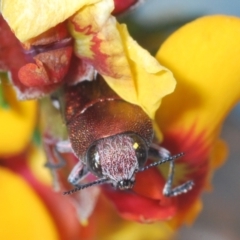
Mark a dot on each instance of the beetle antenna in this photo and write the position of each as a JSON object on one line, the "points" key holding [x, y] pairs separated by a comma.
{"points": [[96, 182], [168, 159]]}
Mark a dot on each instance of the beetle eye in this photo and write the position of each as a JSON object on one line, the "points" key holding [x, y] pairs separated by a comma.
{"points": [[93, 161], [140, 148]]}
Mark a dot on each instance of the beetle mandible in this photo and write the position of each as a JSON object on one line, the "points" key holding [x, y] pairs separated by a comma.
{"points": [[111, 138]]}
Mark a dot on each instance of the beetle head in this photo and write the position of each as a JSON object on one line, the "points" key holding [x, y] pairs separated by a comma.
{"points": [[117, 158]]}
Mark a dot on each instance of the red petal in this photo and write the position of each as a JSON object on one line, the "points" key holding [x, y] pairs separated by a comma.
{"points": [[79, 71], [197, 160], [150, 184], [50, 67], [121, 6], [52, 35], [134, 207], [33, 75]]}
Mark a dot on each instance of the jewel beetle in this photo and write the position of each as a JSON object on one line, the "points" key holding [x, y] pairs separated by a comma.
{"points": [[111, 138]]}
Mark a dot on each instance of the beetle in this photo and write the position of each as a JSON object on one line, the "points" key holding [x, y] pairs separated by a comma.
{"points": [[111, 138]]}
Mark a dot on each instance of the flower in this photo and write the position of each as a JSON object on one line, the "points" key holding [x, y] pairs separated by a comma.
{"points": [[190, 118], [32, 76], [27, 204], [205, 69], [100, 43], [47, 15], [204, 59], [38, 68]]}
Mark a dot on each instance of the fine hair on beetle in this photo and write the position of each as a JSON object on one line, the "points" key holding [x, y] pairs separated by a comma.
{"points": [[105, 180]]}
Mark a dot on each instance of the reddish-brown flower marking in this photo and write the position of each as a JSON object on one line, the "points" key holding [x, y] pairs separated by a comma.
{"points": [[38, 66], [121, 6]]}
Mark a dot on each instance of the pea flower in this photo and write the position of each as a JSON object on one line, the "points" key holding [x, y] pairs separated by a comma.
{"points": [[100, 43], [39, 212], [190, 119]]}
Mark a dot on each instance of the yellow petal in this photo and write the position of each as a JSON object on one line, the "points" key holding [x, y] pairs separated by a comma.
{"points": [[23, 215], [204, 56], [16, 123], [130, 70], [30, 18], [97, 41], [96, 37], [151, 80], [137, 231]]}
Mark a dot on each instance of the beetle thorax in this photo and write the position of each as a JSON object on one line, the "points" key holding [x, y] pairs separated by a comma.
{"points": [[117, 157]]}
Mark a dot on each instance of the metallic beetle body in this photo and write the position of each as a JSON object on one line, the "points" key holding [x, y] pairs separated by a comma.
{"points": [[110, 137], [93, 111]]}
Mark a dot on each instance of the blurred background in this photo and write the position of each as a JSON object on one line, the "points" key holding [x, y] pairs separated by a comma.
{"points": [[150, 24]]}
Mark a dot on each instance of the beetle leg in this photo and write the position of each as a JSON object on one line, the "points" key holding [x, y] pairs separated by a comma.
{"points": [[158, 152], [60, 147], [64, 146], [168, 191], [78, 173], [51, 163], [61, 161]]}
